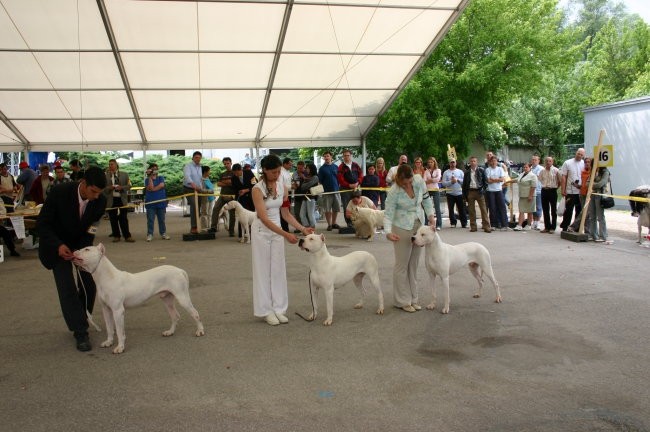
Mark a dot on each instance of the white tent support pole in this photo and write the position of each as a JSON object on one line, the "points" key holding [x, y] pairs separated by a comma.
{"points": [[16, 132], [364, 155], [274, 67], [120, 66]]}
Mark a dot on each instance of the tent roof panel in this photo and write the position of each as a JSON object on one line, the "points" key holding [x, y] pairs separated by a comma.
{"points": [[100, 74]]}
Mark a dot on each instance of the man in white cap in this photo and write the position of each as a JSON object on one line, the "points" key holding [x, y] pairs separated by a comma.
{"points": [[452, 180]]}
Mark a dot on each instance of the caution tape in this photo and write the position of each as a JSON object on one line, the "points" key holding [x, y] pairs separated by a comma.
{"points": [[624, 197]]}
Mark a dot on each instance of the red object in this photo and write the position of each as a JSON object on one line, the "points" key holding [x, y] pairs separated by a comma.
{"points": [[23, 164]]}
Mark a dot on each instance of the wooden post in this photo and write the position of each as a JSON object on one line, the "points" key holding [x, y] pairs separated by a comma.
{"points": [[196, 209], [594, 168]]}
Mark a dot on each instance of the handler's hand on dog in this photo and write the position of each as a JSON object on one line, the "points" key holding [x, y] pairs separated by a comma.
{"points": [[392, 237], [65, 252]]}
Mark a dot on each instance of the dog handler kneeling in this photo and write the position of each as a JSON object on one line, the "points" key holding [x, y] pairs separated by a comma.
{"points": [[406, 204], [271, 199]]}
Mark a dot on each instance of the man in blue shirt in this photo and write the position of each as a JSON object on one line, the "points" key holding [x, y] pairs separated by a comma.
{"points": [[193, 181], [330, 202], [452, 180]]}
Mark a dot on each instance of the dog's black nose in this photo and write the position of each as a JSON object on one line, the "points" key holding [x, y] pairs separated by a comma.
{"points": [[413, 238]]}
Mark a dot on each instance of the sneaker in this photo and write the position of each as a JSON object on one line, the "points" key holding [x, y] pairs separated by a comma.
{"points": [[408, 308], [416, 306], [518, 228], [282, 318], [271, 319], [599, 240], [438, 228], [527, 228], [149, 237], [166, 237], [504, 229]]}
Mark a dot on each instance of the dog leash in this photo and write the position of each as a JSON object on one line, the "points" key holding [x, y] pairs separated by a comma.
{"points": [[312, 303], [88, 314]]}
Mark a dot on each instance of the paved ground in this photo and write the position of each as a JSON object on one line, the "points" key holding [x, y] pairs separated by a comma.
{"points": [[566, 351]]}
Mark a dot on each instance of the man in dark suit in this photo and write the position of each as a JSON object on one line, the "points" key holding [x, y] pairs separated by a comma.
{"points": [[67, 222]]}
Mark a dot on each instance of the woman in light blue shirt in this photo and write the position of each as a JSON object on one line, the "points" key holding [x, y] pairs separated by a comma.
{"points": [[407, 204]]}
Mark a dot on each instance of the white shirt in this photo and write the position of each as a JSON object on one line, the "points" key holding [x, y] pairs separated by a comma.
{"points": [[572, 169]]}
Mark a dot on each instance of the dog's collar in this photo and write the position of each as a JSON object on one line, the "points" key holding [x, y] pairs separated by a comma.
{"points": [[98, 262]]}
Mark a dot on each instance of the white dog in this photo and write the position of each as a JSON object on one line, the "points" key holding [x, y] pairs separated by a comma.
{"points": [[244, 217], [119, 289], [443, 259], [330, 272], [366, 221]]}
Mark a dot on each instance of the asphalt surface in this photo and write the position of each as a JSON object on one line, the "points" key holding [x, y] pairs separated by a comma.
{"points": [[566, 350]]}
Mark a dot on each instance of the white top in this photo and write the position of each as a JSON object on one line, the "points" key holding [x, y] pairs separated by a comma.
{"points": [[572, 169], [272, 202], [435, 175], [494, 173]]}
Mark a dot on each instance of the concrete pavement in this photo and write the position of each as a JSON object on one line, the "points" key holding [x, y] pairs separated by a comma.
{"points": [[566, 351]]}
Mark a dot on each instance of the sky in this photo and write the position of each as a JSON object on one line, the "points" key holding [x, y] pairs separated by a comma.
{"points": [[641, 7]]}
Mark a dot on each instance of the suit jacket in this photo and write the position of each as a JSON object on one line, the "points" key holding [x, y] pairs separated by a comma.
{"points": [[481, 180], [250, 180], [124, 181], [59, 222]]}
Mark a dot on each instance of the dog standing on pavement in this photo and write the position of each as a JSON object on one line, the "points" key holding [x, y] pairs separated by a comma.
{"points": [[244, 217], [443, 259], [330, 272], [118, 290]]}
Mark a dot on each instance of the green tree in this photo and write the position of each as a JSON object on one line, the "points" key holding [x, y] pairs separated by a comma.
{"points": [[497, 51]]}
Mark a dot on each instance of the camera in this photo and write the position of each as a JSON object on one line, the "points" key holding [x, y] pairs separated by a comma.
{"points": [[576, 183]]}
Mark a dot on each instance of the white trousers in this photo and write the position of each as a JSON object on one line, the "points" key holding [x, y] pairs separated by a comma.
{"points": [[269, 271]]}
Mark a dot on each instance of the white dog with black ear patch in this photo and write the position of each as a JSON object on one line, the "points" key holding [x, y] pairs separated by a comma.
{"points": [[443, 259], [330, 272], [118, 290]]}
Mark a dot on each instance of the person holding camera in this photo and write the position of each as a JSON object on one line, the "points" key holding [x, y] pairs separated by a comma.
{"points": [[155, 202], [571, 174]]}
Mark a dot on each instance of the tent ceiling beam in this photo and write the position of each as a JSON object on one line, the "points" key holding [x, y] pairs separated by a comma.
{"points": [[120, 66], [14, 129]]}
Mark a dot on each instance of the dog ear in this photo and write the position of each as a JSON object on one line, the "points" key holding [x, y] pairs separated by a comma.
{"points": [[101, 248]]}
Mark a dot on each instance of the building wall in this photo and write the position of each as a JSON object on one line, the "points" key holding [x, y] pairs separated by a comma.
{"points": [[627, 128]]}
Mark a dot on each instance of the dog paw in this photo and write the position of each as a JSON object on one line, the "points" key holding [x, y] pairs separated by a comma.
{"points": [[431, 306], [106, 343], [167, 333], [311, 317], [327, 322], [380, 311], [498, 300], [358, 305], [445, 310], [200, 333], [118, 349]]}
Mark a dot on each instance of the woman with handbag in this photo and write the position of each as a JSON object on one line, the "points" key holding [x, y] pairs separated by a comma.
{"points": [[597, 224]]}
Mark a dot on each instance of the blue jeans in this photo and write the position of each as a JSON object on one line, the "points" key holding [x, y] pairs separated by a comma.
{"points": [[307, 210], [151, 215], [435, 195]]}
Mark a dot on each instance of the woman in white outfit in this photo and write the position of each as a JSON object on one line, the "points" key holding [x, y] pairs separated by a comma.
{"points": [[271, 199]]}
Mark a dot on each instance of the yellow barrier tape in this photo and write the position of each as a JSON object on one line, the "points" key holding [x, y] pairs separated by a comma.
{"points": [[625, 197]]}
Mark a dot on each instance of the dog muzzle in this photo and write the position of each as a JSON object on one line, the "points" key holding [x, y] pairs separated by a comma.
{"points": [[301, 243]]}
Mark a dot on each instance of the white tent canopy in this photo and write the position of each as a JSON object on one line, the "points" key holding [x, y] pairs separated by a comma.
{"points": [[86, 75]]}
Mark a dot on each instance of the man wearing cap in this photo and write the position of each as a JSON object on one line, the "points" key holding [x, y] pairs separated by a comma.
{"points": [[41, 185], [452, 180], [26, 179]]}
